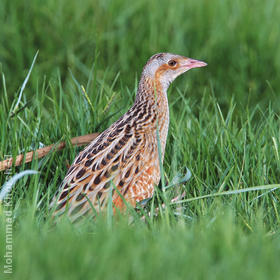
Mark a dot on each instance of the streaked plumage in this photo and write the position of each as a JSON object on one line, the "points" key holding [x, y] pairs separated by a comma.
{"points": [[125, 154]]}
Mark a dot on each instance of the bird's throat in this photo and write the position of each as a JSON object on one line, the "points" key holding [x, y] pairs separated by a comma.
{"points": [[151, 92]]}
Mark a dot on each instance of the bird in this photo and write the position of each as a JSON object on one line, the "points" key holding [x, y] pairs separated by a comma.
{"points": [[124, 160]]}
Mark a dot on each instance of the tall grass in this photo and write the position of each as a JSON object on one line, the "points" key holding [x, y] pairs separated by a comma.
{"points": [[239, 40]]}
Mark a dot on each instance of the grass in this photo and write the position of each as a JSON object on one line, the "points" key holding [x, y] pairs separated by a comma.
{"points": [[187, 251], [224, 128]]}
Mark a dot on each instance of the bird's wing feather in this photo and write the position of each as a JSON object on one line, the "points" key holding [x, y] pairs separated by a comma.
{"points": [[117, 156]]}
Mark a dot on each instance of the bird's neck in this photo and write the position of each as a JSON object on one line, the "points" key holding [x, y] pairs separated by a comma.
{"points": [[154, 94]]}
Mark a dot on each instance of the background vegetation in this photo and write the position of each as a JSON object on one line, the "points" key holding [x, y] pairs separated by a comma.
{"points": [[224, 128]]}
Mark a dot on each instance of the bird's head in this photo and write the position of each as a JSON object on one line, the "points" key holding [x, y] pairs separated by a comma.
{"points": [[164, 68]]}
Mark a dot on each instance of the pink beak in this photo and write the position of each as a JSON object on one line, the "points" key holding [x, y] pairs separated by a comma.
{"points": [[192, 63]]}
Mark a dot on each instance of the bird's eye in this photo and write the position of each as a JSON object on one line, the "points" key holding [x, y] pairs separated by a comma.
{"points": [[172, 63]]}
